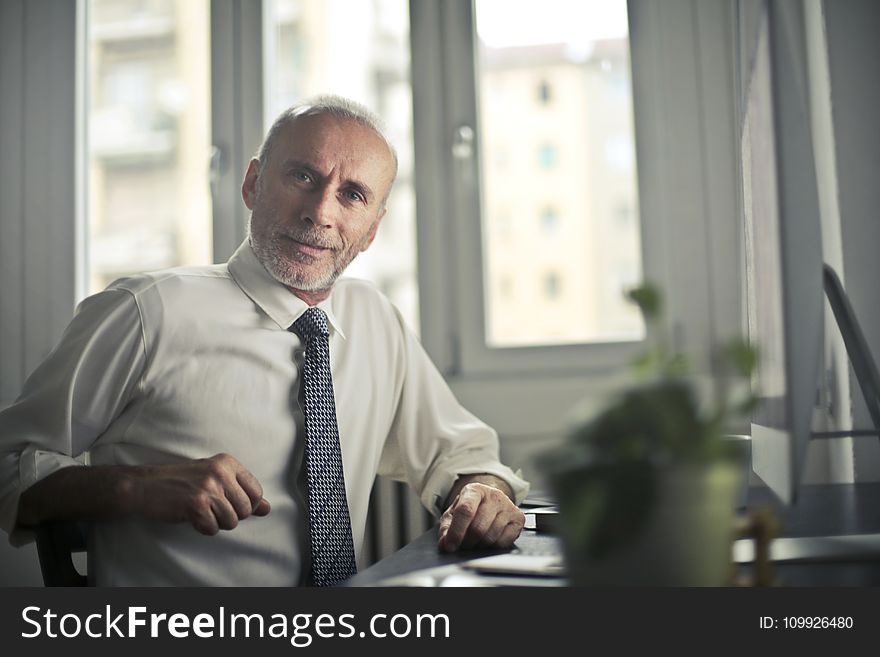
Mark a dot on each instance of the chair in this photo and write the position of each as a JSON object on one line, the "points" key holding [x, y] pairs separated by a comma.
{"points": [[56, 544]]}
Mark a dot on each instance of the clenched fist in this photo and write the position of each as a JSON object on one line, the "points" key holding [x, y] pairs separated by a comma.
{"points": [[211, 494]]}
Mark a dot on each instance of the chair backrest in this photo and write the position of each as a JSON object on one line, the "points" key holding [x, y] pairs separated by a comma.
{"points": [[56, 544]]}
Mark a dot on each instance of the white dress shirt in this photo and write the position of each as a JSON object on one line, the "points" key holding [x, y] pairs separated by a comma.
{"points": [[191, 362]]}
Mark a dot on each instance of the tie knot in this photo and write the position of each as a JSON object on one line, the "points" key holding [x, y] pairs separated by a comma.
{"points": [[311, 323]]}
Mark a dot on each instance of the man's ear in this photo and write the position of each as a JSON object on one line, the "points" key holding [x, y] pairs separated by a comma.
{"points": [[249, 185], [373, 230]]}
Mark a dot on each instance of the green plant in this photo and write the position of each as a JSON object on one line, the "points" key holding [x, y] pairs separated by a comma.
{"points": [[660, 419], [607, 475]]}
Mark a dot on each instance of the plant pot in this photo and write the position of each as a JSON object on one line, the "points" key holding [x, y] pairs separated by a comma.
{"points": [[637, 523]]}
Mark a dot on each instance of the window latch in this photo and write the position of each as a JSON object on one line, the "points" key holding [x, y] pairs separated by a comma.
{"points": [[463, 143]]}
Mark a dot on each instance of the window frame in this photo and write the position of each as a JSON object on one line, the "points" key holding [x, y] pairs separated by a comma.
{"points": [[680, 53], [686, 240], [236, 114], [236, 125]]}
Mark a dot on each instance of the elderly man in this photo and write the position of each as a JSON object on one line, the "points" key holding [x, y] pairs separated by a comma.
{"points": [[260, 397]]}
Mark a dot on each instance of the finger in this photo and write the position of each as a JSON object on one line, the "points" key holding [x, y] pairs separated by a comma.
{"points": [[476, 532], [224, 512], [463, 513], [509, 535], [443, 529], [239, 500], [491, 536], [250, 485], [222, 481], [495, 511], [263, 507], [202, 518]]}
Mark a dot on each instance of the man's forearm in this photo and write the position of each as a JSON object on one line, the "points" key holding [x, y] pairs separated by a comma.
{"points": [[487, 479], [79, 493], [211, 493]]}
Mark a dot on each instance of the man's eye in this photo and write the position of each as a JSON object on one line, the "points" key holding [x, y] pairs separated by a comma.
{"points": [[302, 176], [354, 196]]}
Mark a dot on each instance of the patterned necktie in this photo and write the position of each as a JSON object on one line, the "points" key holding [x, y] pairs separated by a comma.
{"points": [[329, 522]]}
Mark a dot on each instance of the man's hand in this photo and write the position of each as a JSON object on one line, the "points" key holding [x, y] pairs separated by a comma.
{"points": [[480, 515], [211, 494]]}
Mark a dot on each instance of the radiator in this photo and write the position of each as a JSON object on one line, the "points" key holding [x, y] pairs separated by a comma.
{"points": [[396, 517]]}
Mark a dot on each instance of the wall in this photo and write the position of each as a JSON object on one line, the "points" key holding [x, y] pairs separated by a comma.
{"points": [[38, 240], [38, 208], [853, 59]]}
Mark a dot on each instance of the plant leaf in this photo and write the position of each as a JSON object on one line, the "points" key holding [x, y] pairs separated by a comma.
{"points": [[648, 298], [741, 356]]}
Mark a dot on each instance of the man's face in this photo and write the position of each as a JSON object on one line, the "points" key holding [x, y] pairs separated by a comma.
{"points": [[318, 201]]}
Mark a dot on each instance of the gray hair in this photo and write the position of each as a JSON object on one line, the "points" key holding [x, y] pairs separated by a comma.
{"points": [[337, 106]]}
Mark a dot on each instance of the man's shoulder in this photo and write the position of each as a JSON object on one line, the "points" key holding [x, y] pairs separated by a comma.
{"points": [[173, 279], [359, 300], [352, 285]]}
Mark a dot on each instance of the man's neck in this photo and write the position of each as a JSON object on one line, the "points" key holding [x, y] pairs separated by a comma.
{"points": [[311, 297]]}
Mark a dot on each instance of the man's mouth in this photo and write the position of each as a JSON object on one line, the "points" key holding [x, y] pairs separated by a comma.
{"points": [[308, 248]]}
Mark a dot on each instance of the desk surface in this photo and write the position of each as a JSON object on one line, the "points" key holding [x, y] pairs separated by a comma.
{"points": [[819, 510], [422, 555], [822, 510]]}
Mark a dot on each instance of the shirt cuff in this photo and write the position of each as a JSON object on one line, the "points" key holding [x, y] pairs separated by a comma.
{"points": [[440, 483], [33, 466]]}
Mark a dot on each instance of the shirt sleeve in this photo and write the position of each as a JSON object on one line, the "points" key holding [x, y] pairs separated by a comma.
{"points": [[70, 399], [433, 439]]}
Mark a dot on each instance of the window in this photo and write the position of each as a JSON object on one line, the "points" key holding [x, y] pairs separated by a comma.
{"points": [[148, 118], [358, 49], [492, 156], [583, 160]]}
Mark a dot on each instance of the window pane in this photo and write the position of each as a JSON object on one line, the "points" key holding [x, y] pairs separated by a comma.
{"points": [[557, 144], [149, 204], [358, 49]]}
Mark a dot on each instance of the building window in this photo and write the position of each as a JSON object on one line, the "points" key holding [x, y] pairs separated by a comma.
{"points": [[549, 221], [547, 156], [545, 92], [551, 286]]}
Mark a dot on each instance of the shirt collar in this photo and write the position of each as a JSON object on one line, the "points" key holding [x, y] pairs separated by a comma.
{"points": [[279, 303]]}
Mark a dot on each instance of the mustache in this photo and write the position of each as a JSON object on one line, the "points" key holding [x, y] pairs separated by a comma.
{"points": [[312, 239]]}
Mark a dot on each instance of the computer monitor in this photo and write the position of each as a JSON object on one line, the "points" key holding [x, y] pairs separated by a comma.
{"points": [[783, 240], [785, 274]]}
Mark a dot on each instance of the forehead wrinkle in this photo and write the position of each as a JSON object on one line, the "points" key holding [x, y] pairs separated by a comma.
{"points": [[325, 162]]}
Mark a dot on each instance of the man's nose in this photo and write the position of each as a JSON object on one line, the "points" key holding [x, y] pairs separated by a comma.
{"points": [[320, 208]]}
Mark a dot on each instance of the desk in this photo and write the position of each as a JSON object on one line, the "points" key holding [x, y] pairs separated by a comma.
{"points": [[829, 509], [422, 553], [820, 509]]}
